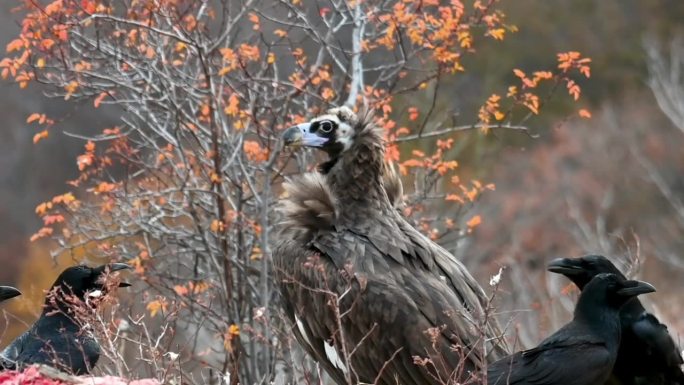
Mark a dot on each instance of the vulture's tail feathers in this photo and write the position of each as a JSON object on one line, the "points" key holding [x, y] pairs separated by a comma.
{"points": [[309, 204]]}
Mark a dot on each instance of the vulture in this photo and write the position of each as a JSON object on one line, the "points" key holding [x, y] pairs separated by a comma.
{"points": [[648, 354], [57, 339], [371, 299], [583, 351], [7, 292]]}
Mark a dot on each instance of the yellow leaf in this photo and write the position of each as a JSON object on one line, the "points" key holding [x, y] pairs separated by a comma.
{"points": [[217, 226], [234, 330], [155, 306]]}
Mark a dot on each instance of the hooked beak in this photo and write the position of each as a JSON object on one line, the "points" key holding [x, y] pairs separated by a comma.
{"points": [[632, 288], [112, 267], [565, 266], [7, 292], [300, 135]]}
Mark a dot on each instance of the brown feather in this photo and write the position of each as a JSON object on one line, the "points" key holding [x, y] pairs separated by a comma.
{"points": [[309, 205], [393, 186]]}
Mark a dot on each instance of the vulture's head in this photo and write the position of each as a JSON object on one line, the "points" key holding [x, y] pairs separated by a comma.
{"points": [[581, 270], [332, 132], [336, 133]]}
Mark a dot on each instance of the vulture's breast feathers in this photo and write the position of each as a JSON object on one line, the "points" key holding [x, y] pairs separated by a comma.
{"points": [[309, 206]]}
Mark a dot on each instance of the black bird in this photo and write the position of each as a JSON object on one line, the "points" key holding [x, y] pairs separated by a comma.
{"points": [[648, 354], [583, 351], [57, 338], [401, 299], [7, 292]]}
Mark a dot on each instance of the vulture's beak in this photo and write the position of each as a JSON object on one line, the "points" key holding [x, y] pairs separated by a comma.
{"points": [[565, 266], [7, 292], [112, 267], [300, 135], [632, 288]]}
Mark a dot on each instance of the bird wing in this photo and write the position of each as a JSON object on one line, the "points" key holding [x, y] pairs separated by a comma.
{"points": [[395, 239], [566, 361], [47, 342], [655, 335], [388, 314]]}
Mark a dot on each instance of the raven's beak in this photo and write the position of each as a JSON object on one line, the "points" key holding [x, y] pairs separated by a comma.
{"points": [[565, 266], [632, 288], [7, 292], [300, 135], [112, 267]]}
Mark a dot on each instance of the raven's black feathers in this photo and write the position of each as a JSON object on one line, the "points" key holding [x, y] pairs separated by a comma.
{"points": [[583, 351], [57, 338], [648, 355]]}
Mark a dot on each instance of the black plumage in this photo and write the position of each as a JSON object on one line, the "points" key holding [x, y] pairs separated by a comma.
{"points": [[57, 338], [648, 354], [409, 311], [7, 292], [583, 351]]}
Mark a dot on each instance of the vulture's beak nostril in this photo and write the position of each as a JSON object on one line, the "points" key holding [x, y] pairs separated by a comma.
{"points": [[293, 136]]}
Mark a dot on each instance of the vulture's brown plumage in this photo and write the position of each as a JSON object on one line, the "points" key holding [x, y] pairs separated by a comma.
{"points": [[371, 298]]}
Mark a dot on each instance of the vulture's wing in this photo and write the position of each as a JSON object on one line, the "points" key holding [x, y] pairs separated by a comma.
{"points": [[387, 315], [394, 240], [412, 298]]}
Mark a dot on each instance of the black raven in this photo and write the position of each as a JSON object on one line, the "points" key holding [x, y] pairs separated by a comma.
{"points": [[648, 354], [583, 351], [57, 338], [7, 292]]}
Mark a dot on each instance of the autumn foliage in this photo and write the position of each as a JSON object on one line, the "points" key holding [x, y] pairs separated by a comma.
{"points": [[184, 187]]}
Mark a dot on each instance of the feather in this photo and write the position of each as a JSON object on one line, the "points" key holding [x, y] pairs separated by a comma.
{"points": [[309, 205]]}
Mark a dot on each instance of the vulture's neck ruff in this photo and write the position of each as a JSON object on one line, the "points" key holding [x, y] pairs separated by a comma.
{"points": [[356, 151]]}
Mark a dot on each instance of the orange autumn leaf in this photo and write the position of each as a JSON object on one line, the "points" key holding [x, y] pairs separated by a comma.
{"points": [[33, 117], [233, 106], [254, 151], [474, 221], [42, 233], [413, 113], [40, 136], [584, 113]]}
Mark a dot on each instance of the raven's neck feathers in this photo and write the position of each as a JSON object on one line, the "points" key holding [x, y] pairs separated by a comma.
{"points": [[59, 300], [595, 313]]}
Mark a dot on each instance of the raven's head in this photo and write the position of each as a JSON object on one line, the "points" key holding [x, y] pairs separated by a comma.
{"points": [[7, 292], [83, 280], [581, 270], [612, 290]]}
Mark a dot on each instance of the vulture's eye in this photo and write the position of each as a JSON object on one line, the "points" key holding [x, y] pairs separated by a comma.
{"points": [[326, 126]]}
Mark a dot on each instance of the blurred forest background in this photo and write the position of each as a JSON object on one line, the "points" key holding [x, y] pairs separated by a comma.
{"points": [[613, 184]]}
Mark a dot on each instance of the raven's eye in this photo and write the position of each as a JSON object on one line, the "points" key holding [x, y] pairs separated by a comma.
{"points": [[325, 126]]}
